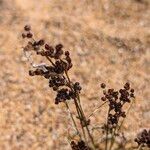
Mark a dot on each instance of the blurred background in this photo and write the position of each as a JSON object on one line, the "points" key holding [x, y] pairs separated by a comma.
{"points": [[109, 41]]}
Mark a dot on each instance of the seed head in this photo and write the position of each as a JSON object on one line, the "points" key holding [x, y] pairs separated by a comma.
{"points": [[127, 86], [103, 85], [40, 42], [24, 35], [143, 138], [27, 28], [29, 35]]}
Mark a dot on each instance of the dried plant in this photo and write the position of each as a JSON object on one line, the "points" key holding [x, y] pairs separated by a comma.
{"points": [[80, 145], [57, 74], [116, 100], [143, 139]]}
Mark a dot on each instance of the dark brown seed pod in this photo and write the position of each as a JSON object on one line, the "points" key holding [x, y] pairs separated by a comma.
{"points": [[29, 35], [40, 42], [103, 98], [47, 47], [103, 85], [127, 86], [67, 53], [143, 138], [27, 28], [24, 35], [59, 46], [132, 90], [31, 73]]}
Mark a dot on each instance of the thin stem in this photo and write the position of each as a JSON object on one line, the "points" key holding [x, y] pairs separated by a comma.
{"points": [[113, 137], [140, 146], [106, 144], [119, 127], [50, 60], [68, 77], [77, 107], [69, 141], [78, 98], [97, 109], [73, 120], [85, 121], [80, 123], [80, 118], [112, 140], [84, 136], [80, 112], [126, 115]]}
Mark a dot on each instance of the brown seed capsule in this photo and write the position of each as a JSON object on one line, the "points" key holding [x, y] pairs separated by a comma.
{"points": [[110, 91], [127, 86], [31, 73], [67, 53], [59, 46], [132, 90], [103, 98], [47, 47], [132, 95], [55, 88], [143, 138], [123, 114], [103, 85], [104, 92], [29, 35], [27, 28], [77, 86], [23, 35], [40, 42]]}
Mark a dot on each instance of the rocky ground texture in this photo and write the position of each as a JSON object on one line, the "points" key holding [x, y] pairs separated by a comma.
{"points": [[109, 41]]}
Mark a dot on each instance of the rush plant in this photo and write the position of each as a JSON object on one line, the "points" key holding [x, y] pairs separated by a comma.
{"points": [[56, 72]]}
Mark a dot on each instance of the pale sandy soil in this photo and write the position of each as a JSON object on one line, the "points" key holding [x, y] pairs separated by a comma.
{"points": [[109, 42]]}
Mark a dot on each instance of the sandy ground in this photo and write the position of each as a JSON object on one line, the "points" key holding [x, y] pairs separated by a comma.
{"points": [[109, 42]]}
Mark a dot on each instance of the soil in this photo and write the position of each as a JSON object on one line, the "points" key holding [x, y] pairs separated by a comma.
{"points": [[109, 41]]}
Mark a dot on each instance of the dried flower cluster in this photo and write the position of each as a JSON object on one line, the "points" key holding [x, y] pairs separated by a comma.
{"points": [[60, 63], [79, 146], [56, 72], [143, 138], [116, 101]]}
